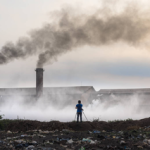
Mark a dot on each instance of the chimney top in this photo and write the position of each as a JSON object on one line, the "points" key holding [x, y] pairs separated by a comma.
{"points": [[39, 69]]}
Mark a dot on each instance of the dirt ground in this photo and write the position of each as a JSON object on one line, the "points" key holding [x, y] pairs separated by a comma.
{"points": [[24, 125], [97, 135]]}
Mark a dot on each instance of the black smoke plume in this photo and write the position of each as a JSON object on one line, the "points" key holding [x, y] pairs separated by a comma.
{"points": [[70, 31]]}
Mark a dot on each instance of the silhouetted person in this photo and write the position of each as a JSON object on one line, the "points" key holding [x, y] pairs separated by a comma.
{"points": [[79, 111]]}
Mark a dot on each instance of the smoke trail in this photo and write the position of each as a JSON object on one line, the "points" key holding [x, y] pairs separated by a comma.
{"points": [[71, 31]]}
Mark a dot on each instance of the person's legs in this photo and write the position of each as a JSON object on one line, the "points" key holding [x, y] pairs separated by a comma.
{"points": [[80, 114], [77, 117], [81, 117]]}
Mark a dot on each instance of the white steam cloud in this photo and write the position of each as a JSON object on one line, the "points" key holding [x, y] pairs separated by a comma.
{"points": [[105, 109]]}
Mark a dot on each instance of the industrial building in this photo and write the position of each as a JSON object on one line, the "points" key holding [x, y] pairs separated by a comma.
{"points": [[54, 94], [69, 94]]}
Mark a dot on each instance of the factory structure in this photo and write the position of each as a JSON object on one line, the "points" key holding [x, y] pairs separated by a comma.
{"points": [[54, 94], [72, 94]]}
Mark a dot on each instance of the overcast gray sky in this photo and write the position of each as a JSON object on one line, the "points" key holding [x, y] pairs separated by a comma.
{"points": [[113, 65]]}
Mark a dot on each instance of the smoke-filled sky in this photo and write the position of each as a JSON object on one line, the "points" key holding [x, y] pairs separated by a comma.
{"points": [[104, 43]]}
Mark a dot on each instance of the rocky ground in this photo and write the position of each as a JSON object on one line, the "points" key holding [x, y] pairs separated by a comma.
{"points": [[96, 135]]}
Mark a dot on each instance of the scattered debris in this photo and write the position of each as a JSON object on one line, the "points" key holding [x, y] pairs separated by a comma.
{"points": [[70, 136]]}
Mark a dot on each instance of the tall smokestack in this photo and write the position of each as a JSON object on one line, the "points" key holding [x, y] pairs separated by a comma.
{"points": [[39, 82]]}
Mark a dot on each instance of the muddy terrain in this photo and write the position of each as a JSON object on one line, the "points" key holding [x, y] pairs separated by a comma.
{"points": [[96, 135]]}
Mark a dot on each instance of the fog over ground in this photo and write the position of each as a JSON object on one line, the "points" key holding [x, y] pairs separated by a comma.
{"points": [[102, 43], [112, 108]]}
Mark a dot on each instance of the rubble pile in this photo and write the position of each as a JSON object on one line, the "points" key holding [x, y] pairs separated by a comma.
{"points": [[35, 135]]}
